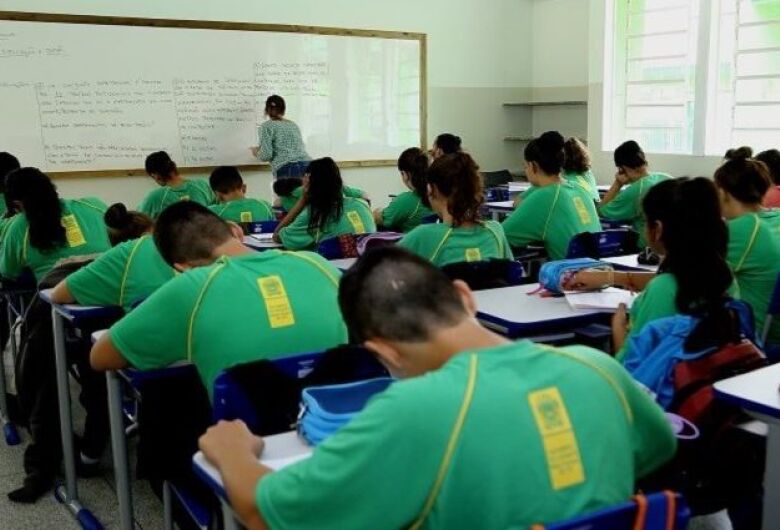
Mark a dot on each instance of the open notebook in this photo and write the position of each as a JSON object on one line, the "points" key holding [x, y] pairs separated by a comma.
{"points": [[608, 299]]}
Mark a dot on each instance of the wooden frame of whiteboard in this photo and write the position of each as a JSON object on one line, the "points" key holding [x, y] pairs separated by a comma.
{"points": [[23, 16]]}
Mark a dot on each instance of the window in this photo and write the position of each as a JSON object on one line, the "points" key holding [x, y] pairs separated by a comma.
{"points": [[695, 76]]}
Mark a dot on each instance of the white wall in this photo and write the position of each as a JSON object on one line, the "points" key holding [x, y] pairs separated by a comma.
{"points": [[477, 59]]}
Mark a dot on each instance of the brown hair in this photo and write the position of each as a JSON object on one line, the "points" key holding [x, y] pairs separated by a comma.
{"points": [[457, 177], [745, 179], [547, 152], [124, 225], [577, 156], [275, 106], [739, 153], [414, 162]]}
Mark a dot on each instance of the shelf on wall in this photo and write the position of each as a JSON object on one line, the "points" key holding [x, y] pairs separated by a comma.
{"points": [[547, 103]]}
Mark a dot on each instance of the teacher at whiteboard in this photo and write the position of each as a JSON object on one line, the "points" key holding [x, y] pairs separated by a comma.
{"points": [[281, 143]]}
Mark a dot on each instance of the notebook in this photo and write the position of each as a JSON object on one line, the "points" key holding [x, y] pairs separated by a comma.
{"points": [[608, 299]]}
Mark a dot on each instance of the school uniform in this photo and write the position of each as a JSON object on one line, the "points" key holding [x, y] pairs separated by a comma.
{"points": [[548, 434], [197, 190], [627, 205], [586, 181], [356, 218], [240, 309], [122, 276], [754, 258], [288, 201], [657, 300], [405, 212], [85, 233], [244, 210], [553, 215], [442, 244]]}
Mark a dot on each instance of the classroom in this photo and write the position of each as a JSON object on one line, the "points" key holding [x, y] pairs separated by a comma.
{"points": [[506, 264]]}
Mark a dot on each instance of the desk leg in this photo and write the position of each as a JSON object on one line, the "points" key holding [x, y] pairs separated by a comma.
{"points": [[9, 429], [229, 521], [772, 479], [119, 451]]}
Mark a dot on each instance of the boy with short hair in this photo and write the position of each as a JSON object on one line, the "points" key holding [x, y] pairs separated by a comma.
{"points": [[230, 305], [484, 433], [232, 203]]}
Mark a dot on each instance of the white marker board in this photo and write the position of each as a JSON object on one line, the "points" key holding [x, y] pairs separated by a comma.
{"points": [[99, 93]]}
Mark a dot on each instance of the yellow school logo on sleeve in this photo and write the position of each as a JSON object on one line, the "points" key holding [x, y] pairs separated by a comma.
{"points": [[246, 217], [184, 198], [277, 304], [73, 232], [583, 212], [560, 444], [473, 254], [356, 222]]}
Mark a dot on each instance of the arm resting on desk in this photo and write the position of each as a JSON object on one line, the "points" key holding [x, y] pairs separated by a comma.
{"points": [[61, 294], [105, 356], [234, 451]]}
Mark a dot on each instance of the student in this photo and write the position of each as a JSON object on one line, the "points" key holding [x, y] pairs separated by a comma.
{"points": [[323, 212], [173, 187], [754, 235], [738, 153], [455, 194], [621, 204], [557, 211], [576, 167], [407, 210], [290, 190], [684, 225], [445, 144], [124, 275], [280, 142], [771, 158], [469, 400], [212, 318], [48, 228], [8, 163], [233, 204]]}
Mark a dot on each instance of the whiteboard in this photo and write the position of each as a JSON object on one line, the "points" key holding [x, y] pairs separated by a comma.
{"points": [[81, 96]]}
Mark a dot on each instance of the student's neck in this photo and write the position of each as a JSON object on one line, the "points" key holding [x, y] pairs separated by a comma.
{"points": [[175, 180], [548, 180], [233, 196], [232, 247], [468, 335], [642, 172]]}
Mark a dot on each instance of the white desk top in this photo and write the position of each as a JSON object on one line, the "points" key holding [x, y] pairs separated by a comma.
{"points": [[343, 264], [757, 391], [71, 311], [630, 261], [261, 241], [501, 205]]}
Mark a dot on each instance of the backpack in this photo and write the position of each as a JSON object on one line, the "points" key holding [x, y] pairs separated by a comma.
{"points": [[489, 274], [554, 274]]}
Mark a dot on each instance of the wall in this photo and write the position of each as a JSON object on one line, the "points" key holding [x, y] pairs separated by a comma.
{"points": [[472, 68]]}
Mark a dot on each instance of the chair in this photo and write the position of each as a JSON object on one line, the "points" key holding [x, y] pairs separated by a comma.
{"points": [[496, 178], [772, 350], [489, 274], [260, 227], [605, 244], [657, 511], [496, 194], [338, 247], [430, 219]]}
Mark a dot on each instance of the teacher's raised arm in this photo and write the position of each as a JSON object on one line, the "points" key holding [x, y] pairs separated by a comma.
{"points": [[280, 142]]}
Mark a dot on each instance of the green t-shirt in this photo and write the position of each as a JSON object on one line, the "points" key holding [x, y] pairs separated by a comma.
{"points": [[3, 207], [549, 434], [585, 181], [552, 215], [441, 244], [244, 211], [85, 233], [754, 257], [657, 300], [405, 212], [356, 218], [197, 190], [123, 276], [240, 309], [288, 201], [627, 205]]}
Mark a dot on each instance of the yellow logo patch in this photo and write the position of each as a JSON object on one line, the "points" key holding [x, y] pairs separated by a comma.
{"points": [[356, 222], [277, 304], [73, 232], [560, 444], [473, 254], [246, 217], [583, 212]]}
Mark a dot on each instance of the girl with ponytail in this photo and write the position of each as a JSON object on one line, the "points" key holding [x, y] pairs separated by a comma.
{"points": [[454, 192], [556, 211], [407, 210]]}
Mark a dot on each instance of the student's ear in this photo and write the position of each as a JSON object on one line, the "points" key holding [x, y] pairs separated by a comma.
{"points": [[655, 232], [388, 355], [243, 188], [466, 296], [236, 230]]}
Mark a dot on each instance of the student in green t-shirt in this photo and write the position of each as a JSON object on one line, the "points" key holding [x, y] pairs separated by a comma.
{"points": [[498, 434], [230, 305], [173, 187], [123, 276], [685, 226], [556, 211], [8, 163], [290, 190], [323, 212], [407, 210], [232, 202], [455, 194], [445, 144], [577, 167], [48, 229], [625, 203], [754, 235]]}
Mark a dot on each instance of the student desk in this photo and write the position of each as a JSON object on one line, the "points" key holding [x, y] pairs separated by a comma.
{"points": [[280, 450], [495, 209], [261, 242], [343, 264], [513, 312], [630, 262], [758, 394], [80, 317]]}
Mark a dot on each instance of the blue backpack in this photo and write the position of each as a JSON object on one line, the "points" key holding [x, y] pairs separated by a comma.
{"points": [[554, 274]]}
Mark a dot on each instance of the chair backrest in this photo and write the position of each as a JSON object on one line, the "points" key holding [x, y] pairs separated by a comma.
{"points": [[608, 243], [430, 219], [774, 309], [260, 227], [496, 178], [489, 274], [657, 511]]}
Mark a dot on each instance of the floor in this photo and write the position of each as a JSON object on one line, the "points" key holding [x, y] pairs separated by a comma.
{"points": [[96, 493]]}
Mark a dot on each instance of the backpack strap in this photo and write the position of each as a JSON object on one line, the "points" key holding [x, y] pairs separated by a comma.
{"points": [[451, 445], [552, 208], [440, 245], [127, 269]]}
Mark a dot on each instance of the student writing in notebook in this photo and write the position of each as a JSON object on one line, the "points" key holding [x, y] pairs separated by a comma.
{"points": [[467, 401], [232, 202], [172, 186], [407, 210]]}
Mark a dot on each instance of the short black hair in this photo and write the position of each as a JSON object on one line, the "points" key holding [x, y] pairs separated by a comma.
{"points": [[284, 187], [630, 154], [188, 231], [448, 143], [160, 163], [8, 163], [393, 294], [225, 179]]}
